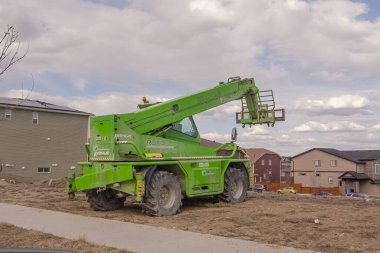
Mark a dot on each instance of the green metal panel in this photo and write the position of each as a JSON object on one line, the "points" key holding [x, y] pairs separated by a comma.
{"points": [[98, 175], [204, 177], [102, 138]]}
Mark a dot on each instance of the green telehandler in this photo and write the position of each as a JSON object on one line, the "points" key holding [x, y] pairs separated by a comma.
{"points": [[154, 156]]}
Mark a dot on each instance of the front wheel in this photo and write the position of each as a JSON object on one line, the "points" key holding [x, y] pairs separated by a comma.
{"points": [[163, 196], [235, 186]]}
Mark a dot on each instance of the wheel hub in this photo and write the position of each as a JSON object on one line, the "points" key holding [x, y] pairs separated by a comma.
{"points": [[236, 188], [166, 198]]}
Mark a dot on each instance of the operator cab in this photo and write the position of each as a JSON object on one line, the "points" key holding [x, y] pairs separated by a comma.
{"points": [[186, 126]]}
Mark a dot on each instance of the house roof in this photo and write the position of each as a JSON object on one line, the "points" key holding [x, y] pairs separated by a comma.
{"points": [[353, 175], [209, 143], [356, 156], [37, 105], [363, 155], [256, 153]]}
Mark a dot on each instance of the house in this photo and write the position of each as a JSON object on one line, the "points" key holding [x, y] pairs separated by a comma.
{"points": [[286, 170], [267, 165], [356, 170], [40, 141]]}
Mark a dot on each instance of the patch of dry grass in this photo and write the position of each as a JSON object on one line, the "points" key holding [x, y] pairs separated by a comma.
{"points": [[12, 237]]}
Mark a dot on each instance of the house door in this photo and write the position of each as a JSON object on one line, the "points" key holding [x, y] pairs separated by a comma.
{"points": [[349, 186]]}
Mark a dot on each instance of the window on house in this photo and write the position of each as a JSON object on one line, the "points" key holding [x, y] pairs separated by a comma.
{"points": [[265, 176], [263, 162], [35, 118], [43, 170], [317, 163], [8, 114], [377, 168], [283, 174], [260, 179], [269, 162], [333, 163], [331, 180]]}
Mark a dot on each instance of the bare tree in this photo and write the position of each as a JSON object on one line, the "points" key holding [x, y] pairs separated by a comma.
{"points": [[9, 49]]}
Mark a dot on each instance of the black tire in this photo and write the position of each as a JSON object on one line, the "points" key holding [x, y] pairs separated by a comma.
{"points": [[163, 195], [104, 200], [235, 186]]}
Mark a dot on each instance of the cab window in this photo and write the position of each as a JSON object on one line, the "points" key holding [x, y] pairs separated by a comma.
{"points": [[187, 127]]}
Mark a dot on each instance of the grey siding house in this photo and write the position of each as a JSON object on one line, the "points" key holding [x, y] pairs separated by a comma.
{"points": [[40, 141], [351, 171]]}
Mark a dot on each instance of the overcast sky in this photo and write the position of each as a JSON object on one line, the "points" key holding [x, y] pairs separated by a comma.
{"points": [[321, 58]]}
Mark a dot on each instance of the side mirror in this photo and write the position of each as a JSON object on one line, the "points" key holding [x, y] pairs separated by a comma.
{"points": [[234, 134]]}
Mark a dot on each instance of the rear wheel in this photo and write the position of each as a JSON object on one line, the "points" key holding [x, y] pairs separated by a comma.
{"points": [[104, 200], [163, 195], [235, 186]]}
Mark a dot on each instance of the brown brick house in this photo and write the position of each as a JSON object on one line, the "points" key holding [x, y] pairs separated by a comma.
{"points": [[267, 165], [354, 170], [39, 141]]}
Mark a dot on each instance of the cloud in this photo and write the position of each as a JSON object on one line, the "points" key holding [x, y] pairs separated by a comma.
{"points": [[332, 33], [218, 137], [224, 111], [330, 76], [120, 4], [80, 84], [256, 130], [105, 103], [257, 133], [372, 141], [339, 126], [209, 40], [339, 105], [211, 9], [285, 136]]}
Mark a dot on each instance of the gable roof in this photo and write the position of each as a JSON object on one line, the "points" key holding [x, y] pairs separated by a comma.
{"points": [[255, 154], [356, 156], [36, 105], [354, 175]]}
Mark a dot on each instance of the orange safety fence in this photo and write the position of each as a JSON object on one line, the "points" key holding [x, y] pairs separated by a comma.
{"points": [[304, 189]]}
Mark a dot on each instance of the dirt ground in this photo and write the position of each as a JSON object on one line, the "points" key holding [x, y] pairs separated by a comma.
{"points": [[327, 224]]}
